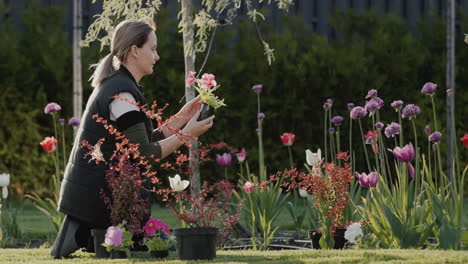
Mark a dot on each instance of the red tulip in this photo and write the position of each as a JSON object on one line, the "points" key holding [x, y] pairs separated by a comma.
{"points": [[49, 144], [288, 139], [464, 139]]}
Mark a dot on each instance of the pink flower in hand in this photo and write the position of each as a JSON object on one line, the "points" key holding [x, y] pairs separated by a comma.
{"points": [[114, 236], [207, 81], [249, 187], [190, 79]]}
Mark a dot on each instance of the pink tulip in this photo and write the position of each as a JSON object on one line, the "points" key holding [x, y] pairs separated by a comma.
{"points": [[241, 155], [288, 139], [224, 160], [405, 154], [249, 187]]}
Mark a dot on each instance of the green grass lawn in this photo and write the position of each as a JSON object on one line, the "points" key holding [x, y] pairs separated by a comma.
{"points": [[248, 256]]}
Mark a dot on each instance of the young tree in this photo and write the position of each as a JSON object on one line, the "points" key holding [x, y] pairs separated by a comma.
{"points": [[77, 87], [205, 21]]}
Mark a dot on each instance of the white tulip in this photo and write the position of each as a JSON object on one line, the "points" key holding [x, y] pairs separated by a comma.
{"points": [[303, 193], [4, 179], [313, 158], [177, 184], [352, 231]]}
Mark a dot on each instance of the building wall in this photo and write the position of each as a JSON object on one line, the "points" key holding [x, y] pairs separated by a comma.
{"points": [[316, 13]]}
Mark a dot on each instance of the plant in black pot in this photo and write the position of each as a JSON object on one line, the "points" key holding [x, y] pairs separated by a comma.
{"points": [[118, 242], [206, 86], [206, 217], [156, 238], [328, 183]]}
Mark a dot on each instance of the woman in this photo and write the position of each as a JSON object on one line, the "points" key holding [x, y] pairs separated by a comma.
{"points": [[133, 55]]}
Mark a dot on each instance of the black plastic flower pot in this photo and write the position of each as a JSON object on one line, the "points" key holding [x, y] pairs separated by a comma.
{"points": [[159, 253], [205, 112], [196, 242], [99, 236], [117, 254], [340, 241]]}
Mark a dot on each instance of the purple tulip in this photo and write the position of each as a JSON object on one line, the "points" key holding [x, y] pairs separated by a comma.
{"points": [[257, 88], [435, 137], [52, 108], [392, 129], [371, 94], [405, 154], [337, 120], [261, 116], [224, 160], [410, 111], [397, 105], [358, 112], [411, 170], [350, 106], [368, 180], [74, 121], [379, 125], [429, 88]]}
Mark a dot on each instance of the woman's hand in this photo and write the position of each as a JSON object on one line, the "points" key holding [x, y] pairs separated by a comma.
{"points": [[190, 109], [196, 128]]}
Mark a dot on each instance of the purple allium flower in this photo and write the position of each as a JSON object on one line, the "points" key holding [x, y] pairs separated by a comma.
{"points": [[410, 111], [337, 120], [358, 112], [392, 129], [379, 125], [331, 130], [397, 105], [435, 137], [330, 101], [261, 116], [427, 129], [74, 121], [61, 121], [371, 106], [429, 88], [379, 101], [224, 160], [350, 106], [450, 92], [257, 88], [328, 104], [52, 108], [371, 94]]}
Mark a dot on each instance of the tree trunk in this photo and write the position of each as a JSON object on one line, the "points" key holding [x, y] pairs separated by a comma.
{"points": [[189, 58], [77, 87], [450, 84]]}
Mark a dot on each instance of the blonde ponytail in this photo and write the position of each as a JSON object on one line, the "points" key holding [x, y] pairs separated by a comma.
{"points": [[126, 34]]}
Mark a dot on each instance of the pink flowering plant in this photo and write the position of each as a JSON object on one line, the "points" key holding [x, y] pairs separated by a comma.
{"points": [[155, 232], [206, 86], [118, 239]]}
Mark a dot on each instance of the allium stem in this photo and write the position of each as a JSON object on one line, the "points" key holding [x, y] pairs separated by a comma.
{"points": [[325, 131], [429, 154], [351, 138], [416, 159], [364, 145], [374, 145], [401, 129], [330, 135], [63, 148]]}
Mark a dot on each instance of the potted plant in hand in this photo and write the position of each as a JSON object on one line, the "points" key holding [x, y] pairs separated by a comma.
{"points": [[157, 242], [205, 87], [118, 241]]}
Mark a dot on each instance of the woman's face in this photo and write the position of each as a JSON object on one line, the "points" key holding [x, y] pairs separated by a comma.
{"points": [[147, 55]]}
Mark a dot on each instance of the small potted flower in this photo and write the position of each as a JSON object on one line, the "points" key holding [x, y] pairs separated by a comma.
{"points": [[118, 241], [156, 238], [206, 87]]}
